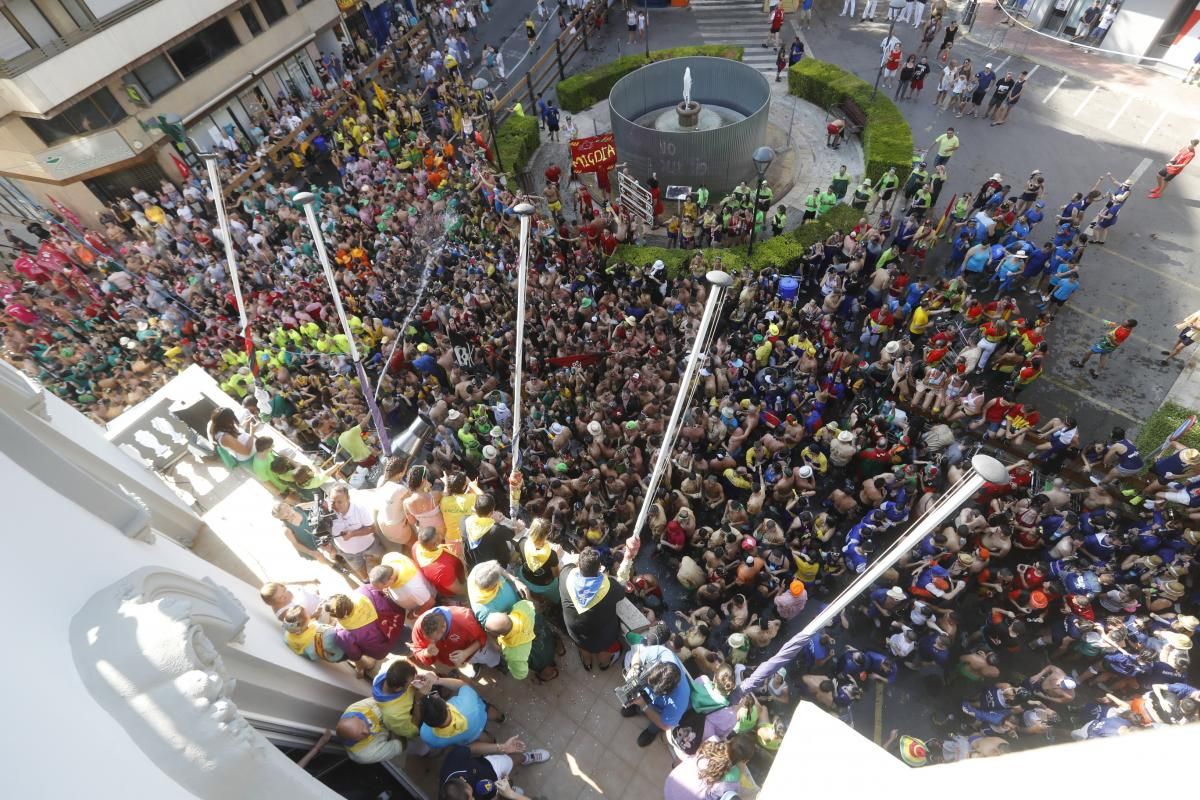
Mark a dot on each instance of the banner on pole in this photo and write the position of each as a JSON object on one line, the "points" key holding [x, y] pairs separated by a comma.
{"points": [[593, 153]]}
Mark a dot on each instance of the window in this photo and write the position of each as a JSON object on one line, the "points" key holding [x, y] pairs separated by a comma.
{"points": [[272, 10], [102, 8], [251, 21], [204, 48], [157, 76], [26, 15], [12, 43], [95, 112], [78, 12]]}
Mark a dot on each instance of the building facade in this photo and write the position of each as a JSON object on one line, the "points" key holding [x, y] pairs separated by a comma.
{"points": [[1168, 30], [79, 80]]}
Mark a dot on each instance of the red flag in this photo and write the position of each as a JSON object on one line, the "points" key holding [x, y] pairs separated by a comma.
{"points": [[250, 354], [184, 172]]}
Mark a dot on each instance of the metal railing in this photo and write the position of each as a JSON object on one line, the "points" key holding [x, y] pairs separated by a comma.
{"points": [[12, 67]]}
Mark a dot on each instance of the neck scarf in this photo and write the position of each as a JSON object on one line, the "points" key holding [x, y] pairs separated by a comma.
{"points": [[522, 616], [300, 640], [425, 555], [456, 725], [361, 615], [477, 527], [586, 592], [536, 556], [480, 596]]}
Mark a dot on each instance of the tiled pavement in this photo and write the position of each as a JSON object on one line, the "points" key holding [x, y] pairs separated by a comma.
{"points": [[576, 717]]}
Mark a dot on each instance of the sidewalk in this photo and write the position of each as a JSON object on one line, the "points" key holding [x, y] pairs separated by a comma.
{"points": [[1119, 74]]}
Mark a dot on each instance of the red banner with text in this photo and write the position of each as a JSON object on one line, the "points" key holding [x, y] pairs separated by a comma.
{"points": [[593, 153]]}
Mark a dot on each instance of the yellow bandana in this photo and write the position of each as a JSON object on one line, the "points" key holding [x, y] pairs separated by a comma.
{"points": [[477, 527], [300, 641], [403, 566], [361, 615], [425, 555], [456, 725], [535, 556], [522, 616]]}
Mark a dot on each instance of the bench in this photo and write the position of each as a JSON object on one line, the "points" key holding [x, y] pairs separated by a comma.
{"points": [[855, 117]]}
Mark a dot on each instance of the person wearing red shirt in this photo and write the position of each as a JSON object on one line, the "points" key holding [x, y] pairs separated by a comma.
{"points": [[450, 636], [1112, 339], [1174, 167]]}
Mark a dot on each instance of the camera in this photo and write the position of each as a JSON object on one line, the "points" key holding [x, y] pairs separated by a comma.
{"points": [[320, 520], [631, 689]]}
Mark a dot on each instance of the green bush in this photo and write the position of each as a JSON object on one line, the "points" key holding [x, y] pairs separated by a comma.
{"points": [[1162, 423], [585, 89], [785, 253], [887, 139], [516, 140]]}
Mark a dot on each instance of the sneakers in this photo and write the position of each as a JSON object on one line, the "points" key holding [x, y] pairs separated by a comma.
{"points": [[629, 711], [647, 737], [1076, 363], [1154, 194], [534, 757]]}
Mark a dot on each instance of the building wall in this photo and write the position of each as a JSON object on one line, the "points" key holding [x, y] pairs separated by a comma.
{"points": [[61, 565]]}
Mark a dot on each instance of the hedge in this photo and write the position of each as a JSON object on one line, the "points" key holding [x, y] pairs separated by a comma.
{"points": [[887, 139], [1162, 423], [784, 252], [516, 141], [585, 89]]}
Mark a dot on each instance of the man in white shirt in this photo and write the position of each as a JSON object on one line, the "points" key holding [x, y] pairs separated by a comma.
{"points": [[353, 532]]}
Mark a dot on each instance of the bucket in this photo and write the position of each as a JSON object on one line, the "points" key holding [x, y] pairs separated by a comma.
{"points": [[788, 288]]}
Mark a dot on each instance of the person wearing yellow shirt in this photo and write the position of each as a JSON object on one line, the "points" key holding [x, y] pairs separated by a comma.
{"points": [[361, 730], [762, 349], [397, 690], [526, 642]]}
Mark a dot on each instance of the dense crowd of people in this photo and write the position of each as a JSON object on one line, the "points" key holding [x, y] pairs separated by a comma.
{"points": [[833, 406]]}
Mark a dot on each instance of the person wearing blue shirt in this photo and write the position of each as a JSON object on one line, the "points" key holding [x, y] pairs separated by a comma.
{"points": [[1035, 215], [666, 692], [958, 251], [1064, 287]]}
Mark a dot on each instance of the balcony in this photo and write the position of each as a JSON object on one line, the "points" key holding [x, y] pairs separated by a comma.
{"points": [[26, 61]]}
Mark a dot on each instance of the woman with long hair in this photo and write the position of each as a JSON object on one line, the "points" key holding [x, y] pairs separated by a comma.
{"points": [[226, 434], [718, 767]]}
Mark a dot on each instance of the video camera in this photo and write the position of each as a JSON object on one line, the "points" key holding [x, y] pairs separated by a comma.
{"points": [[631, 689], [320, 520]]}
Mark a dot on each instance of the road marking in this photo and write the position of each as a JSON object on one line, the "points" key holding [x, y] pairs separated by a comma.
{"points": [[1000, 66], [1057, 86], [1090, 397], [1155, 270], [1140, 169], [1090, 95], [878, 732], [1029, 74], [1154, 127], [1120, 111]]}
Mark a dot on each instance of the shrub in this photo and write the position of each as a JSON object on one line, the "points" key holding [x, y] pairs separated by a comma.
{"points": [[1159, 425], [887, 138], [785, 253], [516, 140], [585, 89]]}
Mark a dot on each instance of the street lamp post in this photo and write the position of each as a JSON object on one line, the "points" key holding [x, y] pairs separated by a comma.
{"points": [[762, 157], [479, 85], [309, 200], [524, 211], [719, 284], [214, 181], [894, 9], [984, 469], [646, 32]]}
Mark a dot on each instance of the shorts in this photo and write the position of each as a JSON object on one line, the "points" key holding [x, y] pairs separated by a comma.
{"points": [[1057, 302], [1166, 176], [977, 98], [631, 28], [918, 84], [1102, 348], [1186, 337], [1127, 473], [358, 561], [502, 765], [1181, 497], [992, 427]]}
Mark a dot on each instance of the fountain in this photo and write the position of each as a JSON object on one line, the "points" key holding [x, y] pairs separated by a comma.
{"points": [[703, 139]]}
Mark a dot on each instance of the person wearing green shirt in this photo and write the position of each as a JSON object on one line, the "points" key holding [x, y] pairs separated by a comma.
{"points": [[826, 201], [840, 183], [702, 197], [916, 179], [741, 194], [778, 220], [946, 144], [921, 201], [765, 196], [811, 204], [759, 220], [862, 195], [886, 190]]}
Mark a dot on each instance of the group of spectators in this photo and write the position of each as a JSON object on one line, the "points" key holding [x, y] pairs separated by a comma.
{"points": [[833, 406]]}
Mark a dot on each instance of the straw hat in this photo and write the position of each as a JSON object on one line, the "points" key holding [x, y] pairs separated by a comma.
{"points": [[913, 751]]}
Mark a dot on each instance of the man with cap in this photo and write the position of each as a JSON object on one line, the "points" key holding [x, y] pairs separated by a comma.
{"points": [[481, 771], [985, 78]]}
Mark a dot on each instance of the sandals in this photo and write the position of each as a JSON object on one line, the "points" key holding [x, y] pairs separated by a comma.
{"points": [[586, 665]]}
